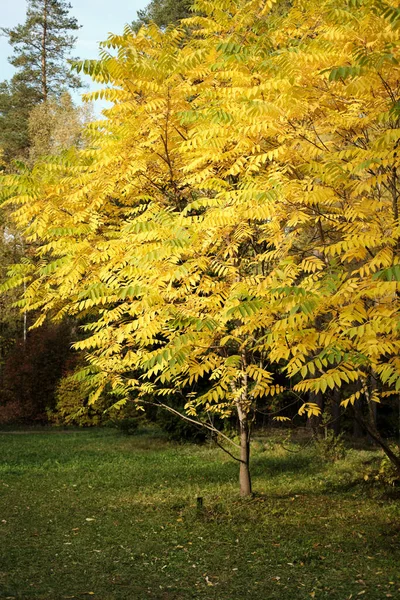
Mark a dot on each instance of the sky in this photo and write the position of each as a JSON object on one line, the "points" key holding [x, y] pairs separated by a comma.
{"points": [[97, 17]]}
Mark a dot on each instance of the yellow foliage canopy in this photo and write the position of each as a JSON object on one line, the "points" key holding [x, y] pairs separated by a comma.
{"points": [[238, 205]]}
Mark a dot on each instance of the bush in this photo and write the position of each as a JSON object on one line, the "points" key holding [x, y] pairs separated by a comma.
{"points": [[31, 372], [71, 405], [72, 408], [127, 425], [386, 473], [11, 412], [331, 447], [178, 429]]}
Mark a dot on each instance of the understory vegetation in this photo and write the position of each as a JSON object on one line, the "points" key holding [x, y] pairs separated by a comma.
{"points": [[93, 513]]}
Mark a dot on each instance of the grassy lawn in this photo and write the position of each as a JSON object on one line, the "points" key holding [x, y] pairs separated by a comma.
{"points": [[96, 514]]}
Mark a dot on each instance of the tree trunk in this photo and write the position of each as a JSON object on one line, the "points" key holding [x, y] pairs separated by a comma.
{"points": [[357, 429], [314, 422], [244, 472], [372, 406], [375, 435], [335, 411], [243, 406], [398, 416], [44, 53]]}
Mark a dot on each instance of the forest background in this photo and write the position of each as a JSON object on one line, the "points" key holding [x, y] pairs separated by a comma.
{"points": [[35, 122]]}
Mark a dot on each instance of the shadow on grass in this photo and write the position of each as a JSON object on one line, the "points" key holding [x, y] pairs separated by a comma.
{"points": [[293, 464], [148, 461]]}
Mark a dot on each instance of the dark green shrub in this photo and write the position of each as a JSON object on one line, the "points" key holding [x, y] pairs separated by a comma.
{"points": [[71, 405], [127, 425], [178, 429], [386, 473], [330, 447]]}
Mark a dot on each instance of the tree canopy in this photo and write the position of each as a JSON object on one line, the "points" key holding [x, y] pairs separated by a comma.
{"points": [[237, 213]]}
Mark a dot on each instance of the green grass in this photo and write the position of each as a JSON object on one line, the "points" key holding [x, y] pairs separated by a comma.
{"points": [[95, 514]]}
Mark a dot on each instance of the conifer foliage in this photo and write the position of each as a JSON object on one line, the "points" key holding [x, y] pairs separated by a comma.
{"points": [[163, 12], [42, 45], [238, 208]]}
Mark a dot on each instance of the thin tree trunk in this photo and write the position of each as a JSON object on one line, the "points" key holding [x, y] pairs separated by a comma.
{"points": [[314, 422], [375, 435], [44, 53], [25, 327], [371, 405], [357, 429], [244, 472], [395, 194], [335, 411], [243, 414], [398, 421], [25, 320]]}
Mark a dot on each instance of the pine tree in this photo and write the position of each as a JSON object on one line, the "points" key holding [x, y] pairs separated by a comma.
{"points": [[164, 12], [16, 102], [41, 46]]}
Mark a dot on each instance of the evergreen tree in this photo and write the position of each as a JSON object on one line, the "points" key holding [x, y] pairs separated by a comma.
{"points": [[16, 102], [164, 12], [41, 48]]}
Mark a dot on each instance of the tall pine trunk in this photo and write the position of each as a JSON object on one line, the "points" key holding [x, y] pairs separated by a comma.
{"points": [[44, 53]]}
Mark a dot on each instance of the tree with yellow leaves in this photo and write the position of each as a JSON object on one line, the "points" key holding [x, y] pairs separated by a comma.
{"points": [[238, 207]]}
